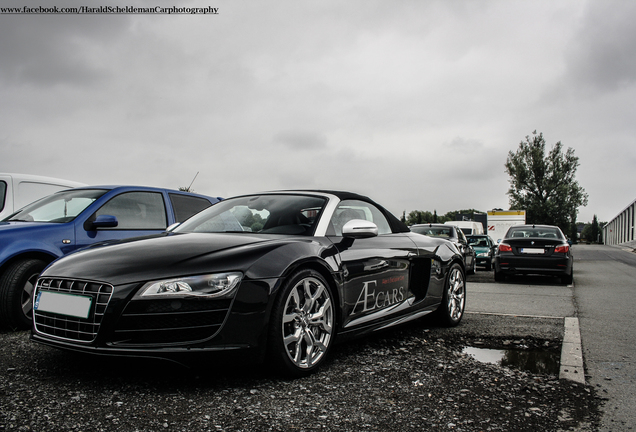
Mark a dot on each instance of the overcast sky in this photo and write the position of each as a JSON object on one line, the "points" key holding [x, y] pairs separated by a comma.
{"points": [[413, 103]]}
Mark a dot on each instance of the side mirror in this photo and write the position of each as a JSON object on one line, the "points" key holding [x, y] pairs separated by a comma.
{"points": [[358, 228], [104, 221]]}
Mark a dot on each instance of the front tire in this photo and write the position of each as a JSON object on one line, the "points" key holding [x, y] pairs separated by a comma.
{"points": [[473, 268], [451, 310], [17, 285], [303, 324]]}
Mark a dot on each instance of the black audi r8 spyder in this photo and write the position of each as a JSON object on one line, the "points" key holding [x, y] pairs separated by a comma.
{"points": [[275, 276]]}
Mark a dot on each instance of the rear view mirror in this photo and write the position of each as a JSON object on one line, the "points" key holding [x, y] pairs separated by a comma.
{"points": [[104, 221], [358, 228]]}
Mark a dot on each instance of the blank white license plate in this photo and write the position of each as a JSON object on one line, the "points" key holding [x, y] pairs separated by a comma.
{"points": [[63, 304], [532, 251]]}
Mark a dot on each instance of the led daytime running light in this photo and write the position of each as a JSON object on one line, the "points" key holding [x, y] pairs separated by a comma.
{"points": [[206, 286]]}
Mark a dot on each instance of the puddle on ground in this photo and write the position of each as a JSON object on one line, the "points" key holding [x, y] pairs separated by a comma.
{"points": [[535, 361]]}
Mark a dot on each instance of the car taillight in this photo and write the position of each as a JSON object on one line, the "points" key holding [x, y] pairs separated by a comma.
{"points": [[562, 249], [504, 248]]}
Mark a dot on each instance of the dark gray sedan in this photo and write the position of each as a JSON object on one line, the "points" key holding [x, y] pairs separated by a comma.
{"points": [[534, 249]]}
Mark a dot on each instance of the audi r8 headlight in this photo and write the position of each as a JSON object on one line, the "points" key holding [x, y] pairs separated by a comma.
{"points": [[204, 286]]}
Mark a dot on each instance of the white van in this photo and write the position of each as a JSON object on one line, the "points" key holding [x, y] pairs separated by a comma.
{"points": [[468, 227], [18, 190]]}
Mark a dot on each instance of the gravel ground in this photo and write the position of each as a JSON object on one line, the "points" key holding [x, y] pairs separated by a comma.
{"points": [[411, 378]]}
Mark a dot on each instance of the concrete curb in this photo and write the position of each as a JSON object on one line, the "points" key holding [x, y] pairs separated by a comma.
{"points": [[571, 352]]}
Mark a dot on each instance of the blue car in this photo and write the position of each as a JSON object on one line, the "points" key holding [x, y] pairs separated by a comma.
{"points": [[38, 234]]}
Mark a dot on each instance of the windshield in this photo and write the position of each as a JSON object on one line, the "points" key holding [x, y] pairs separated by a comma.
{"points": [[267, 214], [535, 232], [478, 241], [60, 207], [442, 232]]}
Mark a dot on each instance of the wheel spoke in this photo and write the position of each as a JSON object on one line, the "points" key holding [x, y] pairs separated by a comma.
{"points": [[293, 338], [455, 295], [311, 298], [322, 318], [27, 297]]}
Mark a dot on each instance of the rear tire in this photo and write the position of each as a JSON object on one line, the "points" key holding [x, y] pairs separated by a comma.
{"points": [[499, 277], [302, 327], [473, 267], [17, 285], [451, 310], [567, 279]]}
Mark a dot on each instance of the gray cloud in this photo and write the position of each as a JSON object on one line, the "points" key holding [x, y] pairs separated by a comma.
{"points": [[603, 51], [301, 140], [46, 50], [415, 104]]}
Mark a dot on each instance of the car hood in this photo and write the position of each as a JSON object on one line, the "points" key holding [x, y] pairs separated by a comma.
{"points": [[164, 256], [24, 226]]}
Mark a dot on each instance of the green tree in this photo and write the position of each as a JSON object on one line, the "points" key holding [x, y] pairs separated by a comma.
{"points": [[545, 185], [452, 215], [419, 217], [592, 232], [595, 229], [574, 229]]}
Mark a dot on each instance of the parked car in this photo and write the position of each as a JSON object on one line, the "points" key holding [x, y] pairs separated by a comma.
{"points": [[534, 249], [484, 248], [18, 190], [275, 276], [453, 234], [61, 223]]}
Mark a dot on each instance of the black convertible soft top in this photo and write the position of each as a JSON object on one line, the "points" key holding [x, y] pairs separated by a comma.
{"points": [[397, 225]]}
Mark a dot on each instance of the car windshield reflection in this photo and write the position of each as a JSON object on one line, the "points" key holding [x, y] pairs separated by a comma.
{"points": [[265, 214], [543, 232]]}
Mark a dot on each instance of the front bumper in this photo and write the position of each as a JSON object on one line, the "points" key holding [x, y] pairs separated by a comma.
{"points": [[484, 261], [166, 328]]}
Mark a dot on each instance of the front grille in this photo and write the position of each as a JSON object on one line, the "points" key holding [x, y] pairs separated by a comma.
{"points": [[170, 321], [71, 328]]}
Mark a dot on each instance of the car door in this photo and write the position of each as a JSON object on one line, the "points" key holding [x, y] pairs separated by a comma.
{"points": [[376, 270], [138, 213]]}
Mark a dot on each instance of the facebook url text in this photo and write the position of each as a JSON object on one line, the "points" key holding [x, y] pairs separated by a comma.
{"points": [[110, 10]]}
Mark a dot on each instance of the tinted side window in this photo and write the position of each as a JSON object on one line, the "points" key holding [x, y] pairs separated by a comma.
{"points": [[136, 210], [185, 206], [354, 209]]}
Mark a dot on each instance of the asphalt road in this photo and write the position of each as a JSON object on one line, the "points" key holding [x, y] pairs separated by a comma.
{"points": [[603, 299]]}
